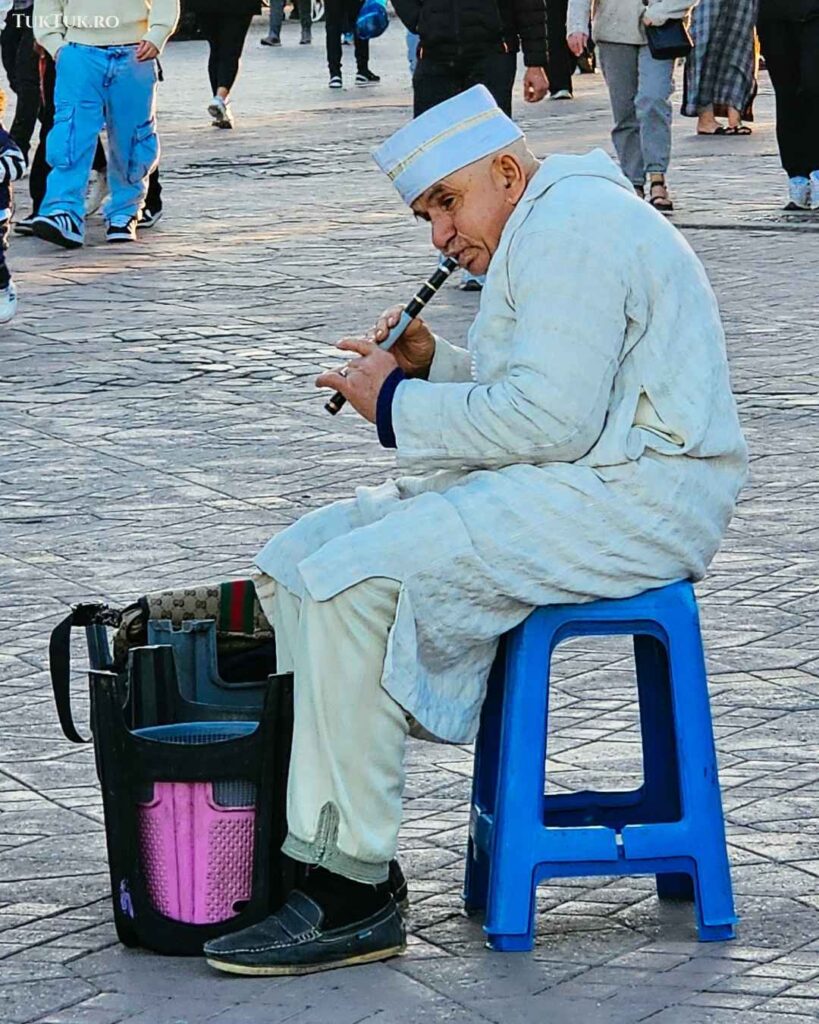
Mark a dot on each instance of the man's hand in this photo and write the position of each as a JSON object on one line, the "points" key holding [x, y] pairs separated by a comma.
{"points": [[577, 42], [361, 380], [146, 51], [535, 85], [414, 349]]}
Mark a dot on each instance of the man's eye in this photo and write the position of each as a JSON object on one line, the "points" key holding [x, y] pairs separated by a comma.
{"points": [[448, 203]]}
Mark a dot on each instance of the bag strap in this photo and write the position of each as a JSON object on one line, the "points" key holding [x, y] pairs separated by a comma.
{"points": [[59, 658]]}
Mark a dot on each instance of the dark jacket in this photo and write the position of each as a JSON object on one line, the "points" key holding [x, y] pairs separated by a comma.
{"points": [[788, 10], [227, 8], [457, 29]]}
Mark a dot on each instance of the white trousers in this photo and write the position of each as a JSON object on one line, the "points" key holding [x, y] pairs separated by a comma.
{"points": [[347, 764]]}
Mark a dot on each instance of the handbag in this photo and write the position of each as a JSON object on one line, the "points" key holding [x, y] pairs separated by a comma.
{"points": [[669, 41]]}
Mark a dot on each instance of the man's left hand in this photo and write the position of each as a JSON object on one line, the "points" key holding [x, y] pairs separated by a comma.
{"points": [[535, 85], [146, 51], [361, 380]]}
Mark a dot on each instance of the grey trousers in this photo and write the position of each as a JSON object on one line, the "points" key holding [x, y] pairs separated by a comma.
{"points": [[640, 88]]}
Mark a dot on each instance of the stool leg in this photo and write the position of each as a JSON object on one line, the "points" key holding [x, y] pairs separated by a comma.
{"points": [[484, 785], [700, 782], [519, 808], [661, 786]]}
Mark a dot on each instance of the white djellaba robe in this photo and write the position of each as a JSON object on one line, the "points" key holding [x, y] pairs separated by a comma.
{"points": [[586, 446]]}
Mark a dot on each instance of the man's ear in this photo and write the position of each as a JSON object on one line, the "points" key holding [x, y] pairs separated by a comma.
{"points": [[509, 176]]}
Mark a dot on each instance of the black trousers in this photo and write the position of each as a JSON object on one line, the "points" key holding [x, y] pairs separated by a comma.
{"points": [[41, 168], [21, 64], [435, 80], [340, 16], [562, 62], [791, 51], [226, 34]]}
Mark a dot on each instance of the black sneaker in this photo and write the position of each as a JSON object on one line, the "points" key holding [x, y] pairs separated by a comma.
{"points": [[59, 228], [294, 941], [25, 226], [335, 81], [306, 37], [366, 77], [122, 231], [148, 218]]}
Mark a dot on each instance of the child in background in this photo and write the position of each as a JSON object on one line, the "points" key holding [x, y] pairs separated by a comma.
{"points": [[12, 167]]}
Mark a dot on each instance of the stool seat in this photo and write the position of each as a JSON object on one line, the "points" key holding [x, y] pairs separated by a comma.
{"points": [[672, 826]]}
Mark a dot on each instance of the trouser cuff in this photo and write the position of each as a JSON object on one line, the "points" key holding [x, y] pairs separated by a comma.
{"points": [[334, 860]]}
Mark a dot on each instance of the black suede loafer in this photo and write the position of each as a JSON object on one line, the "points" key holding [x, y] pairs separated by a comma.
{"points": [[293, 941]]}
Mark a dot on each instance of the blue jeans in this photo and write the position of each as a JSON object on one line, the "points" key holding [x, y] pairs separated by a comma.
{"points": [[96, 86]]}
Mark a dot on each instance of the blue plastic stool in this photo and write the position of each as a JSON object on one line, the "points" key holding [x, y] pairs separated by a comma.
{"points": [[671, 827]]}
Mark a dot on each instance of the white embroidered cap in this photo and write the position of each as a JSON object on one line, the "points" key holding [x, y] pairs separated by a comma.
{"points": [[444, 139]]}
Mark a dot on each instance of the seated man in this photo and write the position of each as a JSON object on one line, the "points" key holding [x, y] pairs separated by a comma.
{"points": [[586, 445]]}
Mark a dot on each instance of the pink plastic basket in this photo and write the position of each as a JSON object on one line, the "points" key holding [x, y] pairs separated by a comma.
{"points": [[197, 856]]}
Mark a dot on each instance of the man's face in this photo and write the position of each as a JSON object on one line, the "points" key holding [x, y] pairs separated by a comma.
{"points": [[469, 209]]}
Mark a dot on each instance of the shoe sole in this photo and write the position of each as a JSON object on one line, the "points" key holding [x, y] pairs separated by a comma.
{"points": [[350, 961], [146, 225], [366, 85], [23, 230], [51, 234], [119, 238]]}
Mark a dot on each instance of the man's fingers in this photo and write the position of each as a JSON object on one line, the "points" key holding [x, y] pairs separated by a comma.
{"points": [[332, 379], [360, 345]]}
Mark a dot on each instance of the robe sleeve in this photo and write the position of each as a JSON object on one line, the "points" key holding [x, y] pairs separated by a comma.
{"points": [[568, 297], [449, 363]]}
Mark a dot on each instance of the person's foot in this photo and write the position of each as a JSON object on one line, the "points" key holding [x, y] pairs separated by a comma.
{"points": [[335, 81], [25, 226], [302, 937], [471, 282], [95, 191], [8, 303], [122, 230], [814, 190], [561, 94], [219, 110], [149, 217], [659, 197], [306, 37], [271, 41], [366, 77], [799, 193], [59, 228], [639, 190]]}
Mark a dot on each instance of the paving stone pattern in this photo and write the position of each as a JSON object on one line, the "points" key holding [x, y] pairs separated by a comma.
{"points": [[159, 422]]}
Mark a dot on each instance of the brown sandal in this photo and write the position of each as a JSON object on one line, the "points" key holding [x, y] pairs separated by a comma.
{"points": [[659, 197]]}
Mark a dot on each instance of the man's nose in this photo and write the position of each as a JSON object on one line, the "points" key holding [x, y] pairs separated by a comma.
{"points": [[443, 231]]}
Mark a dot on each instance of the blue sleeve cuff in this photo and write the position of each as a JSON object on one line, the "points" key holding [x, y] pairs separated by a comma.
{"points": [[383, 408]]}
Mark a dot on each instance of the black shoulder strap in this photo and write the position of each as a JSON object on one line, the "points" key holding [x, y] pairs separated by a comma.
{"points": [[59, 658]]}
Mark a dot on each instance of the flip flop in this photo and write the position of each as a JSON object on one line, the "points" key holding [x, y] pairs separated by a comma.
{"points": [[740, 129], [719, 130]]}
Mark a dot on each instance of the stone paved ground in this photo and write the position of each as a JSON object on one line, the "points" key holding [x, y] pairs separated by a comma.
{"points": [[159, 422]]}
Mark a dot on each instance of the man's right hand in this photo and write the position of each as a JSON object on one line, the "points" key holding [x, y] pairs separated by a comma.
{"points": [[577, 42], [414, 349]]}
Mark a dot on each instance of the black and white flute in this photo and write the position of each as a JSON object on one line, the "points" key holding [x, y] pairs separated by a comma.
{"points": [[408, 314]]}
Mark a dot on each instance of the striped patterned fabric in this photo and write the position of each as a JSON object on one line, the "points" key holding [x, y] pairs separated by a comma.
{"points": [[722, 70]]}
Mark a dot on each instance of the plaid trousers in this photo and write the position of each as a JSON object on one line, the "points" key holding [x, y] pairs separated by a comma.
{"points": [[722, 68]]}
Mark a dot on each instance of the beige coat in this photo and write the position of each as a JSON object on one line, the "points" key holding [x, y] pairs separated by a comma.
{"points": [[621, 21]]}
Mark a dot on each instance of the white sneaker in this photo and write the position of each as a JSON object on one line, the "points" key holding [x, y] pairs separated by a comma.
{"points": [[220, 112], [561, 94], [95, 192], [798, 194], [8, 303], [814, 190]]}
